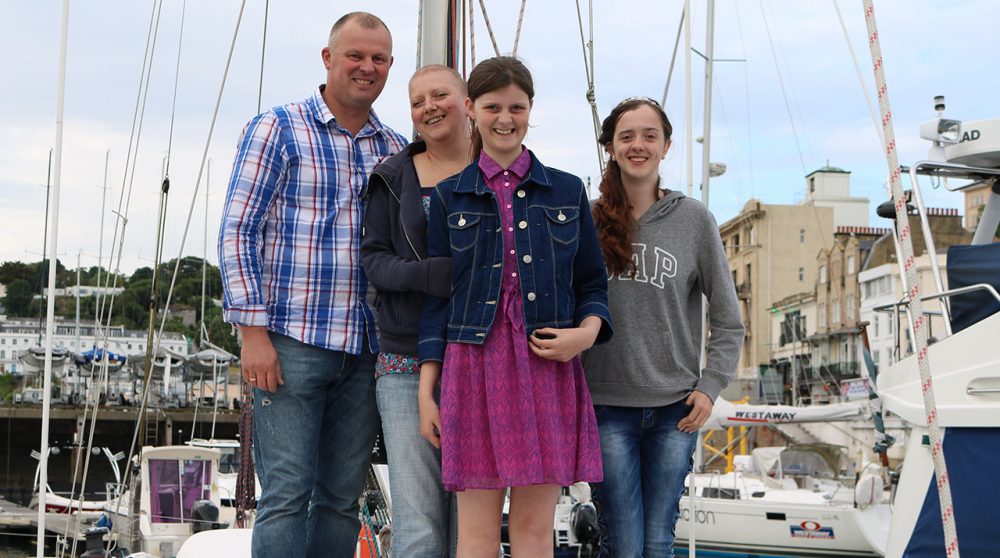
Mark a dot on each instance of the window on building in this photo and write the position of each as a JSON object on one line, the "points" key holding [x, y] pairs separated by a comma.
{"points": [[875, 356], [850, 306], [835, 311], [13, 341], [802, 274], [802, 236], [3, 354], [850, 263], [875, 320], [3, 341], [812, 184], [822, 314]]}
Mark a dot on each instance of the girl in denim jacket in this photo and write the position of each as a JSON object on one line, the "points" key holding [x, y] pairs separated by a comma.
{"points": [[529, 293]]}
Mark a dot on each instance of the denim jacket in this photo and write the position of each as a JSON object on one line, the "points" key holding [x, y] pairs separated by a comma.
{"points": [[560, 267]]}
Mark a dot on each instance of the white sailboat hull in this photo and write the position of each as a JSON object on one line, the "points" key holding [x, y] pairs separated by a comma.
{"points": [[780, 527]]}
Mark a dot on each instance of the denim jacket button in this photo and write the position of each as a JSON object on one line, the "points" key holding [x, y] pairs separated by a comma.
{"points": [[531, 297], [521, 194], [526, 259], [523, 225]]}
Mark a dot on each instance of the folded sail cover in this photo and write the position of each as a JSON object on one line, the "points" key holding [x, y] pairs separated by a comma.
{"points": [[971, 453], [726, 414]]}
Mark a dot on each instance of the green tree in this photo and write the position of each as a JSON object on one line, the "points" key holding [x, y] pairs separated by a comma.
{"points": [[18, 299]]}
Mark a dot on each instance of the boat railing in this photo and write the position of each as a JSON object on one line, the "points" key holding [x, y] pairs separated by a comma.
{"points": [[897, 308], [940, 169]]}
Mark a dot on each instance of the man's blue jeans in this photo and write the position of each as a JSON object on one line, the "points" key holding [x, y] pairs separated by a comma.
{"points": [[313, 441], [646, 459], [423, 513]]}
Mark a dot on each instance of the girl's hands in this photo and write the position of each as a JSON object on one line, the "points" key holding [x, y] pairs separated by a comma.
{"points": [[701, 411], [430, 420], [430, 413], [565, 344]]}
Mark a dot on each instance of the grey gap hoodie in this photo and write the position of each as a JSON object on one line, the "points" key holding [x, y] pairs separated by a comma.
{"points": [[653, 358]]}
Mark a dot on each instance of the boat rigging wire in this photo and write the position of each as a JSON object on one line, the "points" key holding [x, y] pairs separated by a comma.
{"points": [[746, 87], [260, 93], [194, 197], [673, 57], [588, 66], [861, 79], [142, 94], [916, 315], [781, 83], [173, 102]]}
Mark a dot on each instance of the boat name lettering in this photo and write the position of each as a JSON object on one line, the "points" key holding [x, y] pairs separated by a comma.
{"points": [[702, 516], [971, 135], [765, 415]]}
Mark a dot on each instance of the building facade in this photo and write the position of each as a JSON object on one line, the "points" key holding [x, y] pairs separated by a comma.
{"points": [[771, 251]]}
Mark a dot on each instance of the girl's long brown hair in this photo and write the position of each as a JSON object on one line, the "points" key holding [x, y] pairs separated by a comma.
{"points": [[612, 212]]}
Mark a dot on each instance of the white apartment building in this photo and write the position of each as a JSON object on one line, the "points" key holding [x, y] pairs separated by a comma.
{"points": [[17, 335], [889, 334]]}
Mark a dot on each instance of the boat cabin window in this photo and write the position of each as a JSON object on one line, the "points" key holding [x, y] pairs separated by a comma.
{"points": [[175, 485], [721, 493], [229, 462]]}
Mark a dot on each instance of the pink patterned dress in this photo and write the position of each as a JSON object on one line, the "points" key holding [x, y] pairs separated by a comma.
{"points": [[509, 417]]}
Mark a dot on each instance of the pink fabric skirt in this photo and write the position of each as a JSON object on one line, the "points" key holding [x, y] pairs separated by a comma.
{"points": [[511, 418]]}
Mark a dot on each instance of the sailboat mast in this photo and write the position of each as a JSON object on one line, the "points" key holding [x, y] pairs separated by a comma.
{"points": [[438, 42], [51, 300], [707, 128]]}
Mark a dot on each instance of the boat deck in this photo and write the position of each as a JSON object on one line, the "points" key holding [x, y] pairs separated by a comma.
{"points": [[17, 518]]}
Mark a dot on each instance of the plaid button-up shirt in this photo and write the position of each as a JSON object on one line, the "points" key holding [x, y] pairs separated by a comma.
{"points": [[291, 225]]}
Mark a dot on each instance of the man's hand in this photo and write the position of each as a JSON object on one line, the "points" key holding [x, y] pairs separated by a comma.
{"points": [[259, 360], [701, 410], [565, 344]]}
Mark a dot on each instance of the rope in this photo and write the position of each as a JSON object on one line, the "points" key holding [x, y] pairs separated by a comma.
{"points": [[246, 489], [517, 32], [917, 319], [420, 31], [588, 67], [489, 27], [472, 33]]}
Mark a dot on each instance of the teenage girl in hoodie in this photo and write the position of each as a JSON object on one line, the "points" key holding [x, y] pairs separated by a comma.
{"points": [[663, 252], [394, 255], [529, 292]]}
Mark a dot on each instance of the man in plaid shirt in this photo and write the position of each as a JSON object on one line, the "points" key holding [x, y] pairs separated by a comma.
{"points": [[289, 252]]}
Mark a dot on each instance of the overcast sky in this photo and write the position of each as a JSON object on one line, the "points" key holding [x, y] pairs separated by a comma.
{"points": [[930, 48]]}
